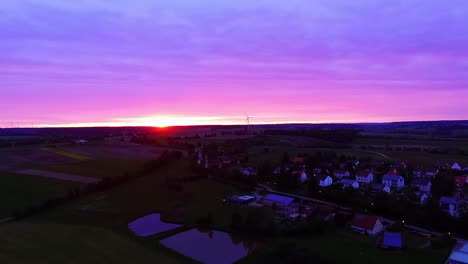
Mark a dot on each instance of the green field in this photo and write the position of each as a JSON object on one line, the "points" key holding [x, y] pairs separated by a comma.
{"points": [[27, 242], [20, 191]]}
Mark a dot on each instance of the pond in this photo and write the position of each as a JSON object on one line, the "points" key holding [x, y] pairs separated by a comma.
{"points": [[211, 247], [150, 225]]}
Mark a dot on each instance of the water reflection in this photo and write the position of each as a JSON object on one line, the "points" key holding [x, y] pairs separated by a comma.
{"points": [[150, 225], [209, 246]]}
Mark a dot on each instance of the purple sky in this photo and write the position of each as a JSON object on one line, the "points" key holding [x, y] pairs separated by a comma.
{"points": [[96, 62]]}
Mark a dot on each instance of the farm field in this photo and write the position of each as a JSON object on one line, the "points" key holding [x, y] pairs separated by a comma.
{"points": [[96, 168], [273, 154], [18, 191]]}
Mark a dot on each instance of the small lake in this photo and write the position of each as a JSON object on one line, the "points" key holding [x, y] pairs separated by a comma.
{"points": [[150, 225], [211, 247]]}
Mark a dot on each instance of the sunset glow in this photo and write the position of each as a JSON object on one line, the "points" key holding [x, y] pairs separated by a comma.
{"points": [[163, 63]]}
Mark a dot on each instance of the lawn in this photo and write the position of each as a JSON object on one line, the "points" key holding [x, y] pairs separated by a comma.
{"points": [[28, 242], [20, 191], [345, 247]]}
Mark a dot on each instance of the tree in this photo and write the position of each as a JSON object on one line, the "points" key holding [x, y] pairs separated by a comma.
{"points": [[236, 220]]}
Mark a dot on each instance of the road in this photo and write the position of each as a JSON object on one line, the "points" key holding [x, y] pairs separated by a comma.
{"points": [[381, 218]]}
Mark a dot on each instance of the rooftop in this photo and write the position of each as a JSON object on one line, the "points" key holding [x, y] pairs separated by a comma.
{"points": [[460, 255], [278, 198], [392, 240], [365, 221]]}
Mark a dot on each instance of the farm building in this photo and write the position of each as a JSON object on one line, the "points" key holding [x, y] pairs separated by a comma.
{"points": [[278, 200], [459, 255], [392, 240]]}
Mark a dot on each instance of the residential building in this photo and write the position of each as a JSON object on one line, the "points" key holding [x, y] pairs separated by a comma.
{"points": [[393, 180], [302, 175], [381, 188], [364, 177], [424, 185], [367, 224], [460, 180], [453, 206], [248, 171], [432, 172], [455, 166], [341, 174], [459, 255], [422, 198], [392, 240], [349, 183], [325, 180], [298, 160], [278, 200]]}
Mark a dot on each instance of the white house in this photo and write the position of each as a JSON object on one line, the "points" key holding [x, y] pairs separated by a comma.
{"points": [[367, 224], [364, 177], [341, 174], [453, 206], [248, 171], [424, 185], [302, 176], [432, 172], [381, 188], [455, 166], [325, 180], [393, 180], [349, 183], [422, 197]]}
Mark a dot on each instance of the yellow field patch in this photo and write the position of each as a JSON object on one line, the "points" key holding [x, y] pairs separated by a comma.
{"points": [[66, 154]]}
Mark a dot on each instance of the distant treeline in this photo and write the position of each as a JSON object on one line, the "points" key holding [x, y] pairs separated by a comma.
{"points": [[335, 135]]}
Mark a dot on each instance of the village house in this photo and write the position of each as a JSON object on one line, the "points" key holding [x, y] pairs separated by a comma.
{"points": [[317, 170], [453, 206], [381, 188], [364, 177], [455, 166], [349, 183], [326, 212], [298, 160], [325, 180], [423, 185], [422, 198], [367, 224], [277, 200], [432, 172], [249, 171], [393, 180], [341, 174], [460, 180], [301, 175]]}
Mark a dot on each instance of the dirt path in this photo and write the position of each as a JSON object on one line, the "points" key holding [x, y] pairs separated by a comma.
{"points": [[59, 176]]}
